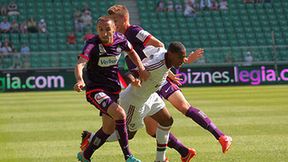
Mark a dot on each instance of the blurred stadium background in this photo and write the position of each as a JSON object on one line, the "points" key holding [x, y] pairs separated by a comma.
{"points": [[226, 35], [46, 126]]}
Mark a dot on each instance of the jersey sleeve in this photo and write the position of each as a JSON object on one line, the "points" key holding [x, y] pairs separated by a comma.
{"points": [[141, 35], [86, 52]]}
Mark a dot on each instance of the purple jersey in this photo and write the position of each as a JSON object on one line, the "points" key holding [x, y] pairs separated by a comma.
{"points": [[138, 37], [102, 67]]}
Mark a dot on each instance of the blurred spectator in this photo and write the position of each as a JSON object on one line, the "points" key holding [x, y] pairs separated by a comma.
{"points": [[24, 27], [14, 27], [170, 6], [205, 4], [42, 26], [12, 9], [3, 10], [248, 59], [178, 7], [214, 5], [24, 54], [86, 8], [160, 6], [6, 48], [6, 40], [32, 26], [71, 38], [87, 20], [78, 22], [223, 5], [5, 26], [24, 49], [189, 8]]}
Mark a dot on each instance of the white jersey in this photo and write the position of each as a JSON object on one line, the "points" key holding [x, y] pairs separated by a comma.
{"points": [[139, 102], [155, 64]]}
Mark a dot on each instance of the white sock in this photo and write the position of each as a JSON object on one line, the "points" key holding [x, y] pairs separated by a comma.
{"points": [[113, 137], [91, 136], [162, 137]]}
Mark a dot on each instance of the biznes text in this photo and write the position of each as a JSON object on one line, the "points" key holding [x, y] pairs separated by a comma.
{"points": [[253, 76]]}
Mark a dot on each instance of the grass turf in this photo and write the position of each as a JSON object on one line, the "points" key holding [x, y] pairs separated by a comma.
{"points": [[46, 126]]}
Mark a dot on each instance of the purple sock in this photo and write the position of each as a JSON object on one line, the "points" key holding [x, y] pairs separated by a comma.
{"points": [[176, 144], [97, 141], [123, 141], [202, 119]]}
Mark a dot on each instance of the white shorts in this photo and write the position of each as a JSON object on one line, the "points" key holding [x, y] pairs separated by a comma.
{"points": [[136, 111]]}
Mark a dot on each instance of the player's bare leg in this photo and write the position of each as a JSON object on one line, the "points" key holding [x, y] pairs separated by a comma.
{"points": [[178, 100], [186, 153]]}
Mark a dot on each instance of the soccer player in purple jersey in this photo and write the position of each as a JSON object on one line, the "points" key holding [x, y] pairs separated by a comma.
{"points": [[101, 54], [140, 38]]}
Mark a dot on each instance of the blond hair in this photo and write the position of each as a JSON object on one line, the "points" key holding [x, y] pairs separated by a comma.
{"points": [[120, 10]]}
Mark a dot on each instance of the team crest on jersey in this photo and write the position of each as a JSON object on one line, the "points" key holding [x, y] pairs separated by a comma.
{"points": [[101, 49], [100, 97], [118, 49]]}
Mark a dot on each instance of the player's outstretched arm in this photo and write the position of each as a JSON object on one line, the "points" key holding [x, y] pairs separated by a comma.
{"points": [[175, 77], [79, 74], [193, 56], [144, 74], [153, 41]]}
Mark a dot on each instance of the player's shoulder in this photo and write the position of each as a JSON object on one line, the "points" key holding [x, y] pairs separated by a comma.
{"points": [[92, 40], [133, 29], [119, 36]]}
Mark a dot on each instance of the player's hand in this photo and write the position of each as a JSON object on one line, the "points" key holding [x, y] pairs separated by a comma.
{"points": [[144, 74], [79, 86], [193, 56], [136, 82], [176, 79]]}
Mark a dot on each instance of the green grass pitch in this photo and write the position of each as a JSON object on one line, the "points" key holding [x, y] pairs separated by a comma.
{"points": [[46, 126]]}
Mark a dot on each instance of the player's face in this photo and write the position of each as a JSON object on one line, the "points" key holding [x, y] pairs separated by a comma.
{"points": [[106, 30], [178, 59], [119, 22]]}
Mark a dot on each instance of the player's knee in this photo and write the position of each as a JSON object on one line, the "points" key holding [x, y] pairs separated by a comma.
{"points": [[108, 130], [183, 107], [120, 113], [168, 122]]}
